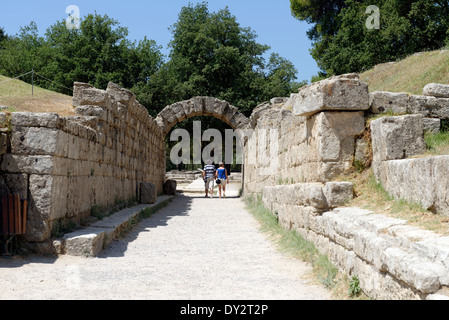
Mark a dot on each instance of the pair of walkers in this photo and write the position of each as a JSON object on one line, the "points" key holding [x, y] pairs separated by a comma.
{"points": [[211, 175]]}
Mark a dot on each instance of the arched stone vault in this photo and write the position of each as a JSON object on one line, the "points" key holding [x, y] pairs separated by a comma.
{"points": [[201, 106]]}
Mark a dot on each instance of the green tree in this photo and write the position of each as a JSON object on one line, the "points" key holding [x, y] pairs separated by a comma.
{"points": [[342, 43], [3, 36], [20, 53], [97, 53], [212, 55]]}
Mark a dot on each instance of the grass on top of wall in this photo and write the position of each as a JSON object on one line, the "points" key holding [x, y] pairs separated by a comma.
{"points": [[410, 74], [372, 196]]}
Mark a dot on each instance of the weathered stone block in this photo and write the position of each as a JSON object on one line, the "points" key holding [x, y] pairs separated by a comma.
{"points": [[397, 137], [334, 136], [413, 270], [381, 102], [436, 90], [338, 93], [41, 196], [338, 193], [417, 181], [120, 94], [429, 107], [87, 95], [170, 187], [148, 193], [432, 125], [87, 243], [34, 141], [27, 164], [92, 111], [28, 119]]}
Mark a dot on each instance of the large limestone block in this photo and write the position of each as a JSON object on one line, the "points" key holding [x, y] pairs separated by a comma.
{"points": [[40, 197], [28, 119], [84, 94], [418, 181], [381, 101], [148, 193], [338, 193], [34, 141], [92, 111], [338, 93], [27, 164], [436, 90], [334, 133], [87, 242], [120, 94], [413, 270], [397, 137], [429, 107]]}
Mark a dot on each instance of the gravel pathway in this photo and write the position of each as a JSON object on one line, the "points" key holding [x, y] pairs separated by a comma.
{"points": [[195, 248]]}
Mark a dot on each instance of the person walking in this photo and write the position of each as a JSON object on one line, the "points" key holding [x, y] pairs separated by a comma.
{"points": [[222, 179], [209, 177]]}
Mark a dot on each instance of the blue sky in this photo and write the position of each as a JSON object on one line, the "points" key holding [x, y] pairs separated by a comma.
{"points": [[270, 19]]}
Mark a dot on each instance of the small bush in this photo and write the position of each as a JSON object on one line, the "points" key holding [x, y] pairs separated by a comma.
{"points": [[354, 287]]}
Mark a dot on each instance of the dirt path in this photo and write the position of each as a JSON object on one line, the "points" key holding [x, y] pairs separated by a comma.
{"points": [[195, 248]]}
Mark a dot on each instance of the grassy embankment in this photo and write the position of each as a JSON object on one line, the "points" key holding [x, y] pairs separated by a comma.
{"points": [[409, 75], [16, 95]]}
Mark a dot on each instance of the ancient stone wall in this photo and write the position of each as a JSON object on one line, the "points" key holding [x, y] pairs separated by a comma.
{"points": [[319, 139], [392, 260], [315, 146], [397, 139], [295, 146], [417, 180], [66, 165]]}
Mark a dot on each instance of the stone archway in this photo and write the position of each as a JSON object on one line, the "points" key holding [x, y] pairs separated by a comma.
{"points": [[201, 106]]}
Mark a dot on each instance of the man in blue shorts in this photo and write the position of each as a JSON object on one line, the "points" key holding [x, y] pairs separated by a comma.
{"points": [[209, 178]]}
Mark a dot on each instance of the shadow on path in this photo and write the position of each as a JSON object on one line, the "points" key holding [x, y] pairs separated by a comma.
{"points": [[180, 206]]}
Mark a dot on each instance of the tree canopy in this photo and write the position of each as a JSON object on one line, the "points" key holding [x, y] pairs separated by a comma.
{"points": [[210, 55], [97, 53], [342, 43]]}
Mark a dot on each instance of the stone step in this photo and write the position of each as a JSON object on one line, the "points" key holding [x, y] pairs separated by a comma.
{"points": [[92, 240]]}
